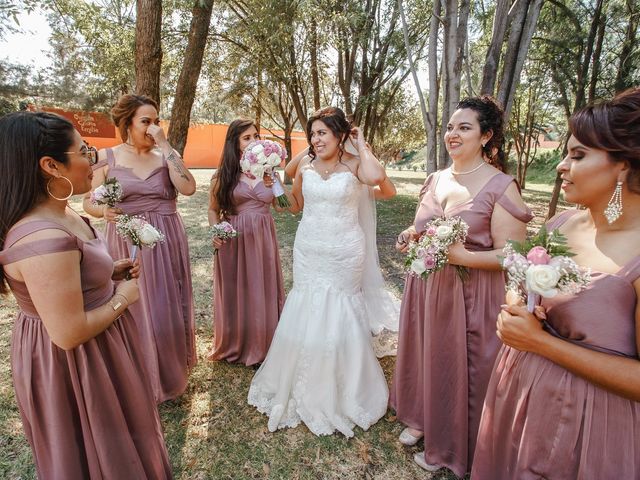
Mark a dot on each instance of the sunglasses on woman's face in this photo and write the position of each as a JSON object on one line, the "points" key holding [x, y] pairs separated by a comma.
{"points": [[90, 153]]}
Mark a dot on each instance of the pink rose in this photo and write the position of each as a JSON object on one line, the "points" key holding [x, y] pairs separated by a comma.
{"points": [[538, 256], [431, 231], [429, 262]]}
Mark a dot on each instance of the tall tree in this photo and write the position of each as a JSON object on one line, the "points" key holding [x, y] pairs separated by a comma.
{"points": [[190, 73], [629, 54], [148, 50]]}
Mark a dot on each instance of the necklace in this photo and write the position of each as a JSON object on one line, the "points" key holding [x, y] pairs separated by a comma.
{"points": [[482, 163], [327, 170]]}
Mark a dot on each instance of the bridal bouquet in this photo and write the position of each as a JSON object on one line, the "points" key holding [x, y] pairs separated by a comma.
{"points": [[223, 231], [139, 232], [261, 157], [542, 267], [429, 253], [109, 193]]}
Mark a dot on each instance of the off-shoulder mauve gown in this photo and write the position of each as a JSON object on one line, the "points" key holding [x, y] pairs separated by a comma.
{"points": [[88, 412]]}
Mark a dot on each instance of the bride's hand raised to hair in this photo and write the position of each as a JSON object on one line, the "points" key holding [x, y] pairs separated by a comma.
{"points": [[358, 137]]}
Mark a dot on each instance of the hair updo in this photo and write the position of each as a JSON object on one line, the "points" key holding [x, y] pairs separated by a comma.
{"points": [[123, 111], [613, 126], [491, 119], [335, 119]]}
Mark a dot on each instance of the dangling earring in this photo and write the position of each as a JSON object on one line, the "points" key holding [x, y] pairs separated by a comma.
{"points": [[614, 207], [57, 198]]}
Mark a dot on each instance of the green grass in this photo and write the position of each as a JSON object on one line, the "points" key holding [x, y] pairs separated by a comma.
{"points": [[210, 431]]}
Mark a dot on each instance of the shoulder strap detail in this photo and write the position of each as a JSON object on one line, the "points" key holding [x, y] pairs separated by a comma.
{"points": [[13, 253], [560, 219], [631, 271], [505, 202], [111, 158], [427, 184]]}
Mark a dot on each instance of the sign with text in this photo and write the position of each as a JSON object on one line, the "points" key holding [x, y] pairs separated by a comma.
{"points": [[88, 124]]}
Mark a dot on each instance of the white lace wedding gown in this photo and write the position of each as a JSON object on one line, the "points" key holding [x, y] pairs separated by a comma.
{"points": [[321, 368]]}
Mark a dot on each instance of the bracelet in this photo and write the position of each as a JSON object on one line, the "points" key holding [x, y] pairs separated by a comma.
{"points": [[401, 240], [116, 305]]}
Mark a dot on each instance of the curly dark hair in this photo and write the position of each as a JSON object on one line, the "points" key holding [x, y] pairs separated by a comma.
{"points": [[491, 119], [335, 119], [228, 175], [613, 126]]}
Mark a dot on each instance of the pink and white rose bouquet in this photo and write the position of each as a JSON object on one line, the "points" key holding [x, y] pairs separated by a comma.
{"points": [[139, 232], [263, 156], [542, 267], [224, 231], [109, 193], [429, 253]]}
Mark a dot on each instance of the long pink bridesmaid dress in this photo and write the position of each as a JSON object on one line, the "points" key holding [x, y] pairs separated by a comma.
{"points": [[165, 311], [542, 421], [89, 412], [447, 341], [248, 285]]}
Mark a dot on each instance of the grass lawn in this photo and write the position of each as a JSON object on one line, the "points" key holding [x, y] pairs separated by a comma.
{"points": [[210, 431]]}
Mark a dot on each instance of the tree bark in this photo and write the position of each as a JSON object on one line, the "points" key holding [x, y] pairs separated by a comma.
{"points": [[148, 56], [188, 80], [414, 74], [626, 67], [492, 60], [313, 56], [434, 83]]}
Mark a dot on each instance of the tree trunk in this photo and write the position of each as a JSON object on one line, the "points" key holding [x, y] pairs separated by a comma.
{"points": [[188, 80], [414, 74], [583, 71], [313, 56], [432, 129], [597, 53], [148, 56], [626, 67], [492, 60], [528, 29]]}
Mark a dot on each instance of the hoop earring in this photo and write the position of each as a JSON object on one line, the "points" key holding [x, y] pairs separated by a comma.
{"points": [[614, 208], [57, 198]]}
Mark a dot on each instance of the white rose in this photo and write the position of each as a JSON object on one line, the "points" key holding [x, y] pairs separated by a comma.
{"points": [[257, 170], [443, 231], [417, 266], [245, 165], [258, 149], [148, 235], [543, 280], [274, 160]]}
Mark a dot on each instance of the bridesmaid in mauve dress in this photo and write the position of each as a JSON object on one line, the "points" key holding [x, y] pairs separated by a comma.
{"points": [[564, 400], [248, 286], [152, 174], [86, 404], [447, 342]]}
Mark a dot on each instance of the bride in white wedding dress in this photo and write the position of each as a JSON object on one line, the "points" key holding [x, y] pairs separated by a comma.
{"points": [[321, 368]]}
